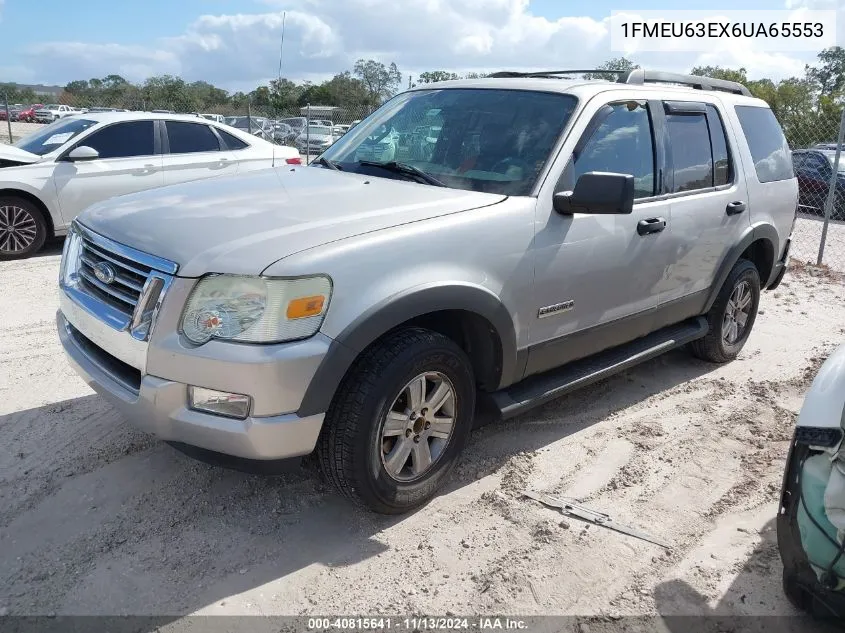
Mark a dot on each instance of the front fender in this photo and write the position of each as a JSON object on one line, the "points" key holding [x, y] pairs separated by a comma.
{"points": [[824, 404], [395, 310]]}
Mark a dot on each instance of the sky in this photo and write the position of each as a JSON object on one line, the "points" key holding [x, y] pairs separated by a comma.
{"points": [[235, 44]]}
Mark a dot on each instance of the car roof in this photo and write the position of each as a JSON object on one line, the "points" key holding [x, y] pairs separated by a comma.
{"points": [[586, 88], [111, 117]]}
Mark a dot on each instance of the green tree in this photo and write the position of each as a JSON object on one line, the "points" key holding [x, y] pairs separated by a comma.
{"points": [[829, 75], [431, 76], [717, 72], [380, 81], [622, 64]]}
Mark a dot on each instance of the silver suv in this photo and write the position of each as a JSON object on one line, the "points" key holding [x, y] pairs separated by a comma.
{"points": [[506, 239]]}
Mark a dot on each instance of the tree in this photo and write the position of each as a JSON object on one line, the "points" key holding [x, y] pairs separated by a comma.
{"points": [[431, 76], [622, 64], [830, 74], [380, 81], [717, 72]]}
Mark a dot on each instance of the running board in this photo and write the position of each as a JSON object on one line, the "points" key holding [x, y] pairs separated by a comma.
{"points": [[542, 388]]}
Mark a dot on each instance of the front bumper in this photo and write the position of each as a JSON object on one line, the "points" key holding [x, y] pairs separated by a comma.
{"points": [[148, 384]]}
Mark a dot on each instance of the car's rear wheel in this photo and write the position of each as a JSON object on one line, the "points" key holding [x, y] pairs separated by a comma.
{"points": [[23, 228], [399, 421], [732, 315]]}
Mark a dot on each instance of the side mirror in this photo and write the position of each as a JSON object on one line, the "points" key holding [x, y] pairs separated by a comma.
{"points": [[83, 152], [597, 192]]}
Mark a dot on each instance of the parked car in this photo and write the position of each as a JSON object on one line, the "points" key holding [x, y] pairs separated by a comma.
{"points": [[27, 115], [814, 169], [54, 112], [340, 130], [14, 112], [48, 177], [362, 308], [811, 520], [255, 125], [315, 139], [282, 132], [218, 118], [297, 123]]}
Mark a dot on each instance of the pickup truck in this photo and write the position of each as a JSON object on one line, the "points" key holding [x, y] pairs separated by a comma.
{"points": [[53, 112]]}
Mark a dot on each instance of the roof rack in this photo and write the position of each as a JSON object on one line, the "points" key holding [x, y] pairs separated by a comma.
{"points": [[554, 73], [639, 76]]}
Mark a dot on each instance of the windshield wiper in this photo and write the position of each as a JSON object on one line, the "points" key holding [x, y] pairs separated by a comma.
{"points": [[406, 169], [325, 162]]}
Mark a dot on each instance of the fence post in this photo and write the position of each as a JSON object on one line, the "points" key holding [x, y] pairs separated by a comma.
{"points": [[8, 117], [307, 133], [248, 117], [831, 192]]}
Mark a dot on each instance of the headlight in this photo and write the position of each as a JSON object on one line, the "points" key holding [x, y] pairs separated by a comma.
{"points": [[255, 309]]}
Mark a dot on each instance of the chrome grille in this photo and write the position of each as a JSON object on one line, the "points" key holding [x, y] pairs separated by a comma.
{"points": [[119, 285], [129, 276]]}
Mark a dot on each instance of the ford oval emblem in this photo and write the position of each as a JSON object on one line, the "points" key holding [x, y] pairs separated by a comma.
{"points": [[104, 272]]}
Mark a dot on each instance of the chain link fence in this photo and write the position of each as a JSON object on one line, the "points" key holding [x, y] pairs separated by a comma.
{"points": [[816, 143], [310, 128], [815, 138]]}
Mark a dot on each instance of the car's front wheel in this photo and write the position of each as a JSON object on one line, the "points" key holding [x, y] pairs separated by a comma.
{"points": [[399, 421], [23, 228]]}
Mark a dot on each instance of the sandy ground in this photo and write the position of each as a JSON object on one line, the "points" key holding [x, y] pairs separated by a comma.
{"points": [[97, 519]]}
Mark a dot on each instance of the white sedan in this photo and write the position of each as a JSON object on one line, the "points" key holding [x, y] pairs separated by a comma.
{"points": [[49, 177]]}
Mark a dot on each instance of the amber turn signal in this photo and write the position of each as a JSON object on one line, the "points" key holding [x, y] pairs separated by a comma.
{"points": [[305, 307]]}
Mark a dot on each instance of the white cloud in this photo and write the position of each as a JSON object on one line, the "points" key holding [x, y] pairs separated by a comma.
{"points": [[323, 37]]}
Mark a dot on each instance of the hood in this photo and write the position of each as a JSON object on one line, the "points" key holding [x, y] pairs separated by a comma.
{"points": [[243, 224], [315, 137], [17, 155]]}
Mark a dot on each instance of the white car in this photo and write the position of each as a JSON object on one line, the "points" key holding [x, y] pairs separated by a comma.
{"points": [[811, 518], [49, 177], [217, 118], [53, 112]]}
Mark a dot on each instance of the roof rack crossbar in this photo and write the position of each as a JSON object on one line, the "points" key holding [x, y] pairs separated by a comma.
{"points": [[639, 76], [552, 73]]}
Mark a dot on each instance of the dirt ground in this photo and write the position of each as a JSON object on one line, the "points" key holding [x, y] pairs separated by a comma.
{"points": [[98, 519]]}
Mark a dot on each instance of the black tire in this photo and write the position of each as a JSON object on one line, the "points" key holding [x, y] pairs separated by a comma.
{"points": [[9, 246], [350, 446], [714, 347]]}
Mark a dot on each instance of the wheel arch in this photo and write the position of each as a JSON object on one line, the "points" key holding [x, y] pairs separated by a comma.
{"points": [[472, 316], [32, 198], [759, 245]]}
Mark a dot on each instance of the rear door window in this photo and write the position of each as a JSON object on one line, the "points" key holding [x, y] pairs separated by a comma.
{"points": [[190, 138], [767, 143], [689, 149]]}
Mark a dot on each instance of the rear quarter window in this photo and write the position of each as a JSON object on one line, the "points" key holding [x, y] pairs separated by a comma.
{"points": [[769, 149]]}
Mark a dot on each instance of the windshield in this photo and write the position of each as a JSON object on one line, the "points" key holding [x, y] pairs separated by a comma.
{"points": [[54, 135], [243, 122], [318, 130], [488, 140], [832, 158]]}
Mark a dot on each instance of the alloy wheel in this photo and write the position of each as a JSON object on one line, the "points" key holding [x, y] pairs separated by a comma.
{"points": [[18, 229], [418, 427], [737, 313]]}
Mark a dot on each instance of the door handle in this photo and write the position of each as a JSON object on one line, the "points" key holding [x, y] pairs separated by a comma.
{"points": [[146, 169], [653, 225], [735, 208]]}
